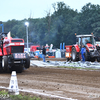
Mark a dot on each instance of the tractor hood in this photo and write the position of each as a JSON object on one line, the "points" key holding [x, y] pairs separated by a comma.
{"points": [[93, 51], [90, 47]]}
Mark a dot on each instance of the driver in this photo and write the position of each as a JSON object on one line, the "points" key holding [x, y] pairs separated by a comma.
{"points": [[86, 41]]}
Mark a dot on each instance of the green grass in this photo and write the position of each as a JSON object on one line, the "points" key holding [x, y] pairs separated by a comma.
{"points": [[21, 97], [71, 67], [5, 95]]}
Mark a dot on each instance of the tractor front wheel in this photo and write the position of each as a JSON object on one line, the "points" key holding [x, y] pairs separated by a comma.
{"points": [[5, 63], [98, 59], [27, 64]]}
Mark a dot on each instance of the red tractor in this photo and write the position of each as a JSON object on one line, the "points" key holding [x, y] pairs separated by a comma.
{"points": [[92, 51], [12, 56]]}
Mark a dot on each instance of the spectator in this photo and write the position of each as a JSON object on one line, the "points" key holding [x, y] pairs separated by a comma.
{"points": [[43, 53]]}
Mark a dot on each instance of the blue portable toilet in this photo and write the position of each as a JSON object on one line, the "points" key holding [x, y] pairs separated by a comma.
{"points": [[63, 46], [60, 46]]}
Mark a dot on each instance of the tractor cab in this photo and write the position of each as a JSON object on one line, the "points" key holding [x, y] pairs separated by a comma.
{"points": [[86, 40]]}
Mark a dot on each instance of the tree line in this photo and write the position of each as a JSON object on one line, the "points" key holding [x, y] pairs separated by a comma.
{"points": [[59, 27]]}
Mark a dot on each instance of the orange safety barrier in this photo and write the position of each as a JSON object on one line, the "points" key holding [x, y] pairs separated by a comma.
{"points": [[36, 56], [51, 56], [67, 54]]}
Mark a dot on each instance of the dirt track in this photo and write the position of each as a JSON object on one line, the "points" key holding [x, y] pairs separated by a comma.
{"points": [[66, 83]]}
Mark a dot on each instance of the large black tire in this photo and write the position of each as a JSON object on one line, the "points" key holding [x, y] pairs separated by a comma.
{"points": [[86, 56], [74, 54], [92, 59], [27, 64], [5, 63], [1, 70], [98, 59]]}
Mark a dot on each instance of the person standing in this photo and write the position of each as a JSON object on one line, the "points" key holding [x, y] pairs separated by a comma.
{"points": [[43, 53], [83, 50]]}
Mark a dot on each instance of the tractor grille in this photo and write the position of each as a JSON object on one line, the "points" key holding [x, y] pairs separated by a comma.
{"points": [[17, 49]]}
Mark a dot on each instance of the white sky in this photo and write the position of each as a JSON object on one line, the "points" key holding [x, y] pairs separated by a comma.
{"points": [[20, 9]]}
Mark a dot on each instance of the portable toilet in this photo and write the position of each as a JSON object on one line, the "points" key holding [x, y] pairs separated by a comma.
{"points": [[58, 54]]}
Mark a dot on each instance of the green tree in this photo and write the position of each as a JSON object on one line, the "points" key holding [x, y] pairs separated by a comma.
{"points": [[90, 19], [58, 27], [64, 23]]}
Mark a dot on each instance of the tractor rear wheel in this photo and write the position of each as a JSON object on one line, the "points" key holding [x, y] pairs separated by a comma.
{"points": [[74, 54], [5, 63]]}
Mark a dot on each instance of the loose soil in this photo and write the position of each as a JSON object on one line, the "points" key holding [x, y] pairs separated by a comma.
{"points": [[61, 82]]}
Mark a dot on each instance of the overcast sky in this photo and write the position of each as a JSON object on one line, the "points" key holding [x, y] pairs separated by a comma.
{"points": [[21, 9]]}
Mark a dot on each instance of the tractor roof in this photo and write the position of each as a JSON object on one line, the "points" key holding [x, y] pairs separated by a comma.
{"points": [[84, 35]]}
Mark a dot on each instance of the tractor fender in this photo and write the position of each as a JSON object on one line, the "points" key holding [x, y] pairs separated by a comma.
{"points": [[1, 52], [76, 47]]}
